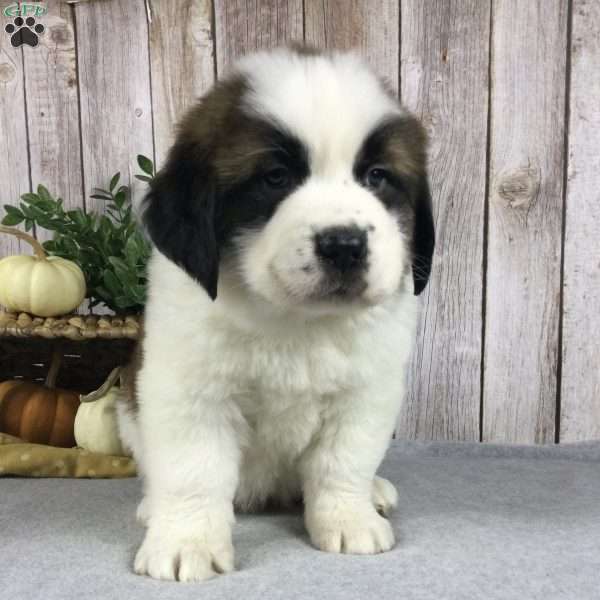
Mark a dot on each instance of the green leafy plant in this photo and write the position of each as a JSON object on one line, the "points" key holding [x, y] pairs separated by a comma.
{"points": [[109, 247]]}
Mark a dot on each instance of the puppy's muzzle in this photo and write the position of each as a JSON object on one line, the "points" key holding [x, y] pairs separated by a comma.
{"points": [[343, 249]]}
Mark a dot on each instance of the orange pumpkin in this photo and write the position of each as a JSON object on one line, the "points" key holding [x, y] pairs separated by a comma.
{"points": [[41, 414]]}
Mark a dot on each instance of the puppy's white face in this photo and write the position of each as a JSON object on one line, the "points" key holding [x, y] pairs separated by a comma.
{"points": [[330, 242], [301, 180]]}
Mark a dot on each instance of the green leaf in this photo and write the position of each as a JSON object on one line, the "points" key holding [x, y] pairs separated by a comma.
{"points": [[12, 210], [100, 197], [48, 206], [78, 217], [12, 219], [37, 212], [30, 198], [139, 293], [120, 198], [102, 291], [123, 301], [145, 164], [144, 178], [112, 283], [127, 214], [126, 278], [118, 263], [57, 224], [29, 224], [44, 194], [114, 216], [114, 181], [105, 227], [70, 246], [26, 208], [132, 251], [43, 222]]}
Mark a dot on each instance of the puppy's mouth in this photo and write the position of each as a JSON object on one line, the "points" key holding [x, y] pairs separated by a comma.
{"points": [[324, 287], [340, 289]]}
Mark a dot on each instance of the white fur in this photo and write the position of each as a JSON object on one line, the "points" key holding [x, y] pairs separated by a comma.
{"points": [[267, 392], [331, 102]]}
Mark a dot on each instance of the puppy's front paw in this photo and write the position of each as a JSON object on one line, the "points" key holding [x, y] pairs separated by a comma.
{"points": [[350, 531], [184, 557]]}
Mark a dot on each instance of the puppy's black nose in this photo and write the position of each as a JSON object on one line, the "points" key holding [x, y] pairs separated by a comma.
{"points": [[344, 248]]}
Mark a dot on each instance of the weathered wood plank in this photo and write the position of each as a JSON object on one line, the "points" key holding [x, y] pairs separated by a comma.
{"points": [[116, 117], [355, 24], [246, 25], [444, 80], [182, 65], [580, 405], [14, 161], [53, 109], [525, 220]]}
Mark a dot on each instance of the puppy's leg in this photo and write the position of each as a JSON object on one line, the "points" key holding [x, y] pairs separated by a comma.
{"points": [[338, 478], [131, 440], [191, 459], [385, 496]]}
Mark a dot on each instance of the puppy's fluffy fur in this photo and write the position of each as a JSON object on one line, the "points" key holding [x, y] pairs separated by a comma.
{"points": [[292, 225]]}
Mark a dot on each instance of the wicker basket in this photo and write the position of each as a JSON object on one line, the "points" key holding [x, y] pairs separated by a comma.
{"points": [[90, 346]]}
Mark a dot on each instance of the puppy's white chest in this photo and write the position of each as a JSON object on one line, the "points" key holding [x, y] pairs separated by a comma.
{"points": [[283, 424], [279, 429], [288, 400], [309, 366], [289, 390]]}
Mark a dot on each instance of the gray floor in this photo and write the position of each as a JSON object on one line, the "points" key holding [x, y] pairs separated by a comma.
{"points": [[481, 522]]}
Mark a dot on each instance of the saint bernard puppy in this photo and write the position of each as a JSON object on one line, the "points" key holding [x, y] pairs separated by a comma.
{"points": [[292, 230]]}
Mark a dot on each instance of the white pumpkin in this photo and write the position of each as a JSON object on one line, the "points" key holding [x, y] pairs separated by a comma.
{"points": [[42, 285], [96, 426]]}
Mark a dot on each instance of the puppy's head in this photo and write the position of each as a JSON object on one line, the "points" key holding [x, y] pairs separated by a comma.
{"points": [[300, 180]]}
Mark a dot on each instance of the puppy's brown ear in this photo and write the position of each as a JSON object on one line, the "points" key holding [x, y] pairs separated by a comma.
{"points": [[179, 214], [423, 236]]}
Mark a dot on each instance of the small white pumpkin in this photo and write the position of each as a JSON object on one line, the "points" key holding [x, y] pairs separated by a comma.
{"points": [[96, 426], [42, 285]]}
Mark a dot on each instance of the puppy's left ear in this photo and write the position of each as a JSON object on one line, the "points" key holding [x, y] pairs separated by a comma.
{"points": [[179, 214], [423, 236]]}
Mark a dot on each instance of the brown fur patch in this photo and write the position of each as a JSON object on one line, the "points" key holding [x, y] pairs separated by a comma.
{"points": [[232, 140], [130, 371], [404, 144], [398, 145]]}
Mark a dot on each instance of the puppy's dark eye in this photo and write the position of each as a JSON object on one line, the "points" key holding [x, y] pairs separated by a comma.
{"points": [[278, 178], [375, 177]]}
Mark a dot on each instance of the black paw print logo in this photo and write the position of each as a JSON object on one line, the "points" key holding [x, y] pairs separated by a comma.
{"points": [[24, 31]]}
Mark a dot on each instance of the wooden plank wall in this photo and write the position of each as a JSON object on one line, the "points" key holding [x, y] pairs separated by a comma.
{"points": [[444, 77], [580, 381], [52, 111], [528, 75], [508, 343], [114, 89], [14, 143]]}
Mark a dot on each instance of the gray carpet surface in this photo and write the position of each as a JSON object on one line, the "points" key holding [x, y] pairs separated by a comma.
{"points": [[475, 522]]}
